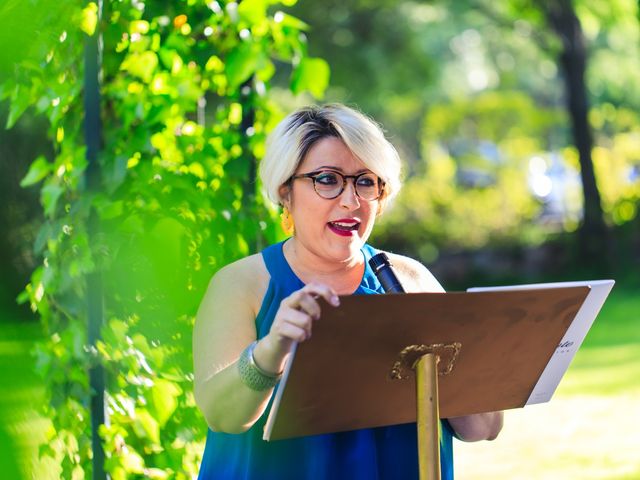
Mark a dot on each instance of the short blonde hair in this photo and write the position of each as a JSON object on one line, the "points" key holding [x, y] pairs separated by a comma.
{"points": [[294, 136]]}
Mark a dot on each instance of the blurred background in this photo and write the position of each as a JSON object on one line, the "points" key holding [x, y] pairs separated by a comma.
{"points": [[518, 125]]}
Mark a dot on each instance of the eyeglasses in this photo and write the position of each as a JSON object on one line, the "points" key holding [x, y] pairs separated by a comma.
{"points": [[329, 184]]}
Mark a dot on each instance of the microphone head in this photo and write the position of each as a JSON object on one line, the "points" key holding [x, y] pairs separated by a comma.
{"points": [[381, 266], [379, 261]]}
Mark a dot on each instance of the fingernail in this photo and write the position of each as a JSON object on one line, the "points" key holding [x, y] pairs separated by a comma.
{"points": [[335, 300]]}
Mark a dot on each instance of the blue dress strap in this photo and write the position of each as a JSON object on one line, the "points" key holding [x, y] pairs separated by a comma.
{"points": [[370, 283]]}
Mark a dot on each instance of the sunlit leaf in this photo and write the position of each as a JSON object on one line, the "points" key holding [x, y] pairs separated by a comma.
{"points": [[38, 170], [311, 74], [89, 18], [132, 462], [253, 11], [197, 169], [214, 64], [241, 63], [164, 398], [235, 113], [146, 426], [139, 26], [141, 65], [289, 21]]}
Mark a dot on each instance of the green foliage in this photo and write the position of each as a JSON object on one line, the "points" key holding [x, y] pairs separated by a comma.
{"points": [[472, 188], [185, 111], [615, 160]]}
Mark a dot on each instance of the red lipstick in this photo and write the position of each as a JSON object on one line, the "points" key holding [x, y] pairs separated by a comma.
{"points": [[345, 227]]}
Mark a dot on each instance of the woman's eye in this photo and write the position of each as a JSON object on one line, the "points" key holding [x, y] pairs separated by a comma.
{"points": [[327, 179], [367, 181]]}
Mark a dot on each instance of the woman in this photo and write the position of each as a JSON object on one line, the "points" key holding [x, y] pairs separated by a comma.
{"points": [[332, 171]]}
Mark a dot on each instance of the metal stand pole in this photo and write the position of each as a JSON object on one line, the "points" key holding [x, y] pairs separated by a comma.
{"points": [[428, 417]]}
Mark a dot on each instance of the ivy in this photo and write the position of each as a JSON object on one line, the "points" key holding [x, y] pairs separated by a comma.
{"points": [[185, 111]]}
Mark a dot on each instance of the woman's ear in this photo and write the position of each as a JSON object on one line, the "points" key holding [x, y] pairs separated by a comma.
{"points": [[382, 203], [285, 195]]}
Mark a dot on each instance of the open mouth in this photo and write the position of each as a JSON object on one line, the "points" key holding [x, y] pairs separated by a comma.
{"points": [[345, 229]]}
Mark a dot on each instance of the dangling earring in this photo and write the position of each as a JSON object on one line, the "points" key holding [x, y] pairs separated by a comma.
{"points": [[286, 222]]}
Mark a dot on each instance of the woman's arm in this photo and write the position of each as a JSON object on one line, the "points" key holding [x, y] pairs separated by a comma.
{"points": [[415, 277], [225, 327], [481, 426]]}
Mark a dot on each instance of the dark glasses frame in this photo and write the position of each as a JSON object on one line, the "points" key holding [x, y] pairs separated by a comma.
{"points": [[314, 175]]}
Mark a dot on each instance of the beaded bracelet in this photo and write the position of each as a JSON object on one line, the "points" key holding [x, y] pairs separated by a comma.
{"points": [[252, 375]]}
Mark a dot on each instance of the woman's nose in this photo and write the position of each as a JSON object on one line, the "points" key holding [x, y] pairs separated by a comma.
{"points": [[349, 198]]}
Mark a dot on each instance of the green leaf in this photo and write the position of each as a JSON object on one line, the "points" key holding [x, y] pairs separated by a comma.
{"points": [[235, 114], [49, 196], [164, 399], [266, 70], [115, 173], [112, 210], [141, 65], [253, 11], [89, 18], [156, 473], [42, 238], [146, 426], [241, 63], [311, 74], [5, 89], [287, 20], [139, 26], [132, 224], [39, 169], [20, 101], [132, 461], [117, 329]]}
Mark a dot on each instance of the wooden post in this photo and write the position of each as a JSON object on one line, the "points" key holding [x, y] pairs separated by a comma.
{"points": [[428, 417]]}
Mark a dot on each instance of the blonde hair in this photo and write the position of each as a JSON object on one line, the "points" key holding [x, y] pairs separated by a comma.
{"points": [[294, 136]]}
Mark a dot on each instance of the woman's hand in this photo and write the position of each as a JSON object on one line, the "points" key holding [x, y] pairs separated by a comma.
{"points": [[293, 323]]}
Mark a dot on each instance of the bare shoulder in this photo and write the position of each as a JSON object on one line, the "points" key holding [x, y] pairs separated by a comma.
{"points": [[245, 280], [414, 276]]}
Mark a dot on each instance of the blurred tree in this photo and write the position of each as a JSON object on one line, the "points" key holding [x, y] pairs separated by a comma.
{"points": [[563, 21], [562, 18]]}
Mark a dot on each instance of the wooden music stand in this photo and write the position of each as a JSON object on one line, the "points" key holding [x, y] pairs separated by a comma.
{"points": [[357, 370]]}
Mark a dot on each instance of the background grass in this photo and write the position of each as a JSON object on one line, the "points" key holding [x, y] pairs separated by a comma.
{"points": [[22, 427], [591, 428]]}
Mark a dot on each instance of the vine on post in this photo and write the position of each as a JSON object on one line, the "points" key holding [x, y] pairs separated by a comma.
{"points": [[180, 79]]}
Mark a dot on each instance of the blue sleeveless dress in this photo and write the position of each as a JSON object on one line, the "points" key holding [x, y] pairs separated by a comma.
{"points": [[371, 454]]}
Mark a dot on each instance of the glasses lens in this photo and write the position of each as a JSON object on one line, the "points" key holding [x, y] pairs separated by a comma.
{"points": [[368, 186], [328, 184]]}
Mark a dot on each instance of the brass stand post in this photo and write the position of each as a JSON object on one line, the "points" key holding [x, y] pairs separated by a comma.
{"points": [[428, 417]]}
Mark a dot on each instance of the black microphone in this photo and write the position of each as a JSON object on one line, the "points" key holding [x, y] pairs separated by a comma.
{"points": [[381, 266]]}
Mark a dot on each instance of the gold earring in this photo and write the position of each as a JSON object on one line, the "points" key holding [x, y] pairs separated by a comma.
{"points": [[286, 222]]}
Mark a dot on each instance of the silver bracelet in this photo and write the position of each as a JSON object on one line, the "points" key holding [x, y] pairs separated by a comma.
{"points": [[252, 375]]}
